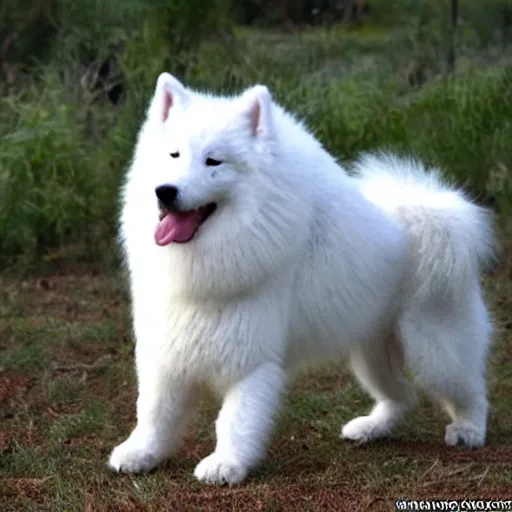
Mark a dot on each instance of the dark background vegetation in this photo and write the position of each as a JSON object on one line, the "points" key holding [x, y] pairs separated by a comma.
{"points": [[76, 76], [75, 79]]}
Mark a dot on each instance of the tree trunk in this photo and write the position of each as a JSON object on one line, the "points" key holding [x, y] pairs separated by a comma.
{"points": [[453, 33]]}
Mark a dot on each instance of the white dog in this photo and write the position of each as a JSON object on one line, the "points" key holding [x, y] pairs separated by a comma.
{"points": [[251, 251]]}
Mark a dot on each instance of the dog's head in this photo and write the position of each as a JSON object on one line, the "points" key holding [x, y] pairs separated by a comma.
{"points": [[220, 184], [210, 149]]}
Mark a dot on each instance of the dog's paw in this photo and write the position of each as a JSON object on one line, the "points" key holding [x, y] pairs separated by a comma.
{"points": [[134, 456], [364, 429], [215, 469], [462, 432]]}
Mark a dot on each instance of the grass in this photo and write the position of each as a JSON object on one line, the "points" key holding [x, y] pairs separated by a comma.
{"points": [[67, 396]]}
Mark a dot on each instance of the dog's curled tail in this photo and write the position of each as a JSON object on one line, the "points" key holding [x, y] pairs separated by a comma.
{"points": [[451, 238]]}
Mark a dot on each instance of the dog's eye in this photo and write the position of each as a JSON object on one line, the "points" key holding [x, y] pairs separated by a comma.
{"points": [[176, 154], [212, 162]]}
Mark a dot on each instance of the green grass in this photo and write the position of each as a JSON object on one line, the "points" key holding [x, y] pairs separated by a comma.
{"points": [[68, 391]]}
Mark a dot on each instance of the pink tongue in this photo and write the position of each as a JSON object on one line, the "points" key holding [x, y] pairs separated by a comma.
{"points": [[177, 227]]}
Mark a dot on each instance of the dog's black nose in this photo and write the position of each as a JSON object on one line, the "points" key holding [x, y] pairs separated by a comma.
{"points": [[166, 194]]}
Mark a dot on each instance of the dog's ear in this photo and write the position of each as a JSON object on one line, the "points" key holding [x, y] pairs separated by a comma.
{"points": [[257, 106], [168, 91]]}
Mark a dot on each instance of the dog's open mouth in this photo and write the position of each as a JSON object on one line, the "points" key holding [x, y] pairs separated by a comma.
{"points": [[181, 227]]}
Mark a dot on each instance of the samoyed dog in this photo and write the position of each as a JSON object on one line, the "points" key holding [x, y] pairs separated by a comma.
{"points": [[251, 251]]}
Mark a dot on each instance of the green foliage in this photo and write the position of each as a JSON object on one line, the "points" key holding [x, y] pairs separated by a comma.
{"points": [[64, 146], [53, 186], [62, 151], [26, 28], [491, 20], [464, 125]]}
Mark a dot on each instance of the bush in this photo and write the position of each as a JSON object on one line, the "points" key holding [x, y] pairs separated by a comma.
{"points": [[53, 186], [64, 145], [63, 148]]}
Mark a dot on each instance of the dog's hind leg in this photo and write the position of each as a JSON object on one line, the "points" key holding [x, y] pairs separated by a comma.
{"points": [[378, 367], [446, 351]]}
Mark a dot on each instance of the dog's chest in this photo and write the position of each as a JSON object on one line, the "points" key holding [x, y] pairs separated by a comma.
{"points": [[222, 341]]}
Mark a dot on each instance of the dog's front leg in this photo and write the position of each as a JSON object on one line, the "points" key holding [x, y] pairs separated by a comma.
{"points": [[163, 406], [244, 426]]}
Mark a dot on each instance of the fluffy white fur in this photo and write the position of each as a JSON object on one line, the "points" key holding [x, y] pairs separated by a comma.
{"points": [[300, 262]]}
